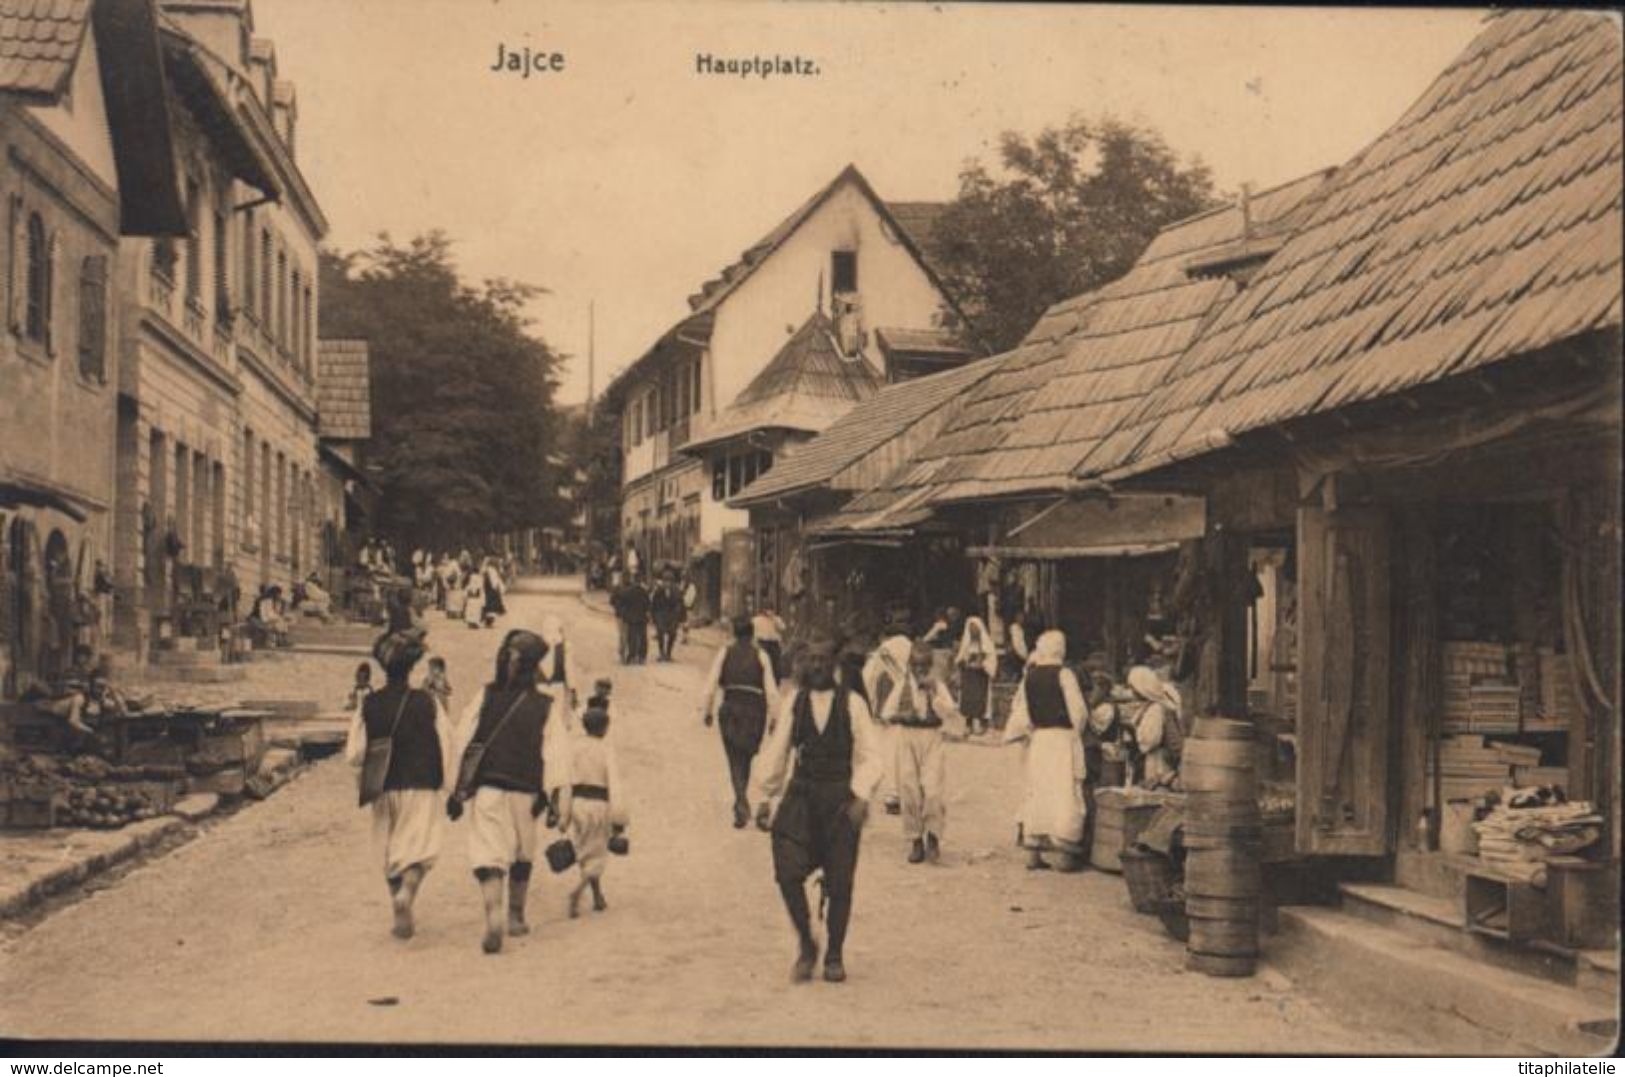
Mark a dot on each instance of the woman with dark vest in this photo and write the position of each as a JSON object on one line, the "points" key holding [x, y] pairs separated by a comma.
{"points": [[526, 760], [406, 822], [837, 766], [743, 674], [1046, 712]]}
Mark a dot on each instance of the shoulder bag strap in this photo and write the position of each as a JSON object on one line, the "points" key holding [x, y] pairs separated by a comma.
{"points": [[474, 754]]}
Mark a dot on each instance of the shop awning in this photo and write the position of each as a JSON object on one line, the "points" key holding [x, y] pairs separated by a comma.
{"points": [[1119, 525]]}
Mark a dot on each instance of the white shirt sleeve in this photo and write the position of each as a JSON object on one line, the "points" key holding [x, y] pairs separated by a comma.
{"points": [[556, 760], [871, 674], [868, 764], [617, 794], [770, 683], [355, 742], [471, 721], [771, 769], [1020, 723]]}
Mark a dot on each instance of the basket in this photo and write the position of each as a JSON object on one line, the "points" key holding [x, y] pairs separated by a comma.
{"points": [[1150, 878], [1171, 911]]}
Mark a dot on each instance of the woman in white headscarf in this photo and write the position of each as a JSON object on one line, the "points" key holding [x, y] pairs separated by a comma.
{"points": [[1046, 712], [558, 676], [977, 660], [1158, 734]]}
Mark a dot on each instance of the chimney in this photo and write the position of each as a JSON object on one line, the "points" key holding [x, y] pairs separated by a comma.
{"points": [[849, 334]]}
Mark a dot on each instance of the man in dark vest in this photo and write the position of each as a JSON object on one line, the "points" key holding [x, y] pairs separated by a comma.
{"points": [[666, 606], [837, 766], [506, 785], [406, 809], [635, 608], [743, 675]]}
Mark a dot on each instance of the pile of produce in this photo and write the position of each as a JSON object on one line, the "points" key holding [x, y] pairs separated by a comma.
{"points": [[89, 791]]}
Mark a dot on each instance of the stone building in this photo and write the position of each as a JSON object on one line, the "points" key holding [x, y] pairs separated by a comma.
{"points": [[85, 126], [217, 411]]}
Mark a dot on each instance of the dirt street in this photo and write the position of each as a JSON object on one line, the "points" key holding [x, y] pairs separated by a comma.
{"points": [[274, 925]]}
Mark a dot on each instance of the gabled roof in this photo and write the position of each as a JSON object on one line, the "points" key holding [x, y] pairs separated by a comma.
{"points": [[1484, 224], [806, 387], [883, 418], [1066, 391], [919, 221], [343, 390], [704, 303], [40, 46]]}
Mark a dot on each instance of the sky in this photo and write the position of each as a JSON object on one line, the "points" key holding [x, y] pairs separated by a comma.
{"points": [[628, 178]]}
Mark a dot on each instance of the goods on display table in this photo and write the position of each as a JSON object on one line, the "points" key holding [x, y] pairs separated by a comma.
{"points": [[1521, 841]]}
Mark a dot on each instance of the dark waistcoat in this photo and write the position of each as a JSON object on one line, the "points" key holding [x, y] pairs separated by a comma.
{"points": [[1046, 706], [415, 759], [742, 668], [513, 760], [826, 756]]}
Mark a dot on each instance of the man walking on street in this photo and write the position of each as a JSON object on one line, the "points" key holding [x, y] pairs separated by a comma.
{"points": [[819, 821], [666, 606], [520, 756], [743, 675], [915, 705], [637, 621]]}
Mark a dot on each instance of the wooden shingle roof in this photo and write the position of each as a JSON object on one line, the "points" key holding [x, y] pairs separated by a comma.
{"points": [[1484, 224], [344, 390], [39, 44], [806, 386], [1068, 389], [885, 417]]}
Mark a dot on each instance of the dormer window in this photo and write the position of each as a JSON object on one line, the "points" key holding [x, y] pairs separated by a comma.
{"points": [[843, 272]]}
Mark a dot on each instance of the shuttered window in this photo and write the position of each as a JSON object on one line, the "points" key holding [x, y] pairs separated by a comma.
{"points": [[36, 309], [93, 318]]}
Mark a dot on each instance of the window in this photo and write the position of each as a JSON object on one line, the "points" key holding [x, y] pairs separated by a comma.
{"points": [[683, 392], [39, 280], [296, 337], [93, 317], [265, 279], [282, 300], [843, 272], [164, 257], [194, 242], [694, 385], [222, 292], [310, 330], [248, 263], [719, 479]]}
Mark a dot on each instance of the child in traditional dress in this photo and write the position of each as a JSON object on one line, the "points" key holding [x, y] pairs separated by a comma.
{"points": [[361, 689], [437, 684], [599, 810], [474, 600]]}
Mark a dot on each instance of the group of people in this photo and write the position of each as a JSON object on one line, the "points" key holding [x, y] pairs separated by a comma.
{"points": [[518, 762], [668, 605]]}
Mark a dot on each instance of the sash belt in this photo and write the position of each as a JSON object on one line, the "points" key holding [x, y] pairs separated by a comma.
{"points": [[590, 792]]}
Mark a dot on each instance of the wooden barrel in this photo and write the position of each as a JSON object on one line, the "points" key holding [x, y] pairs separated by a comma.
{"points": [[1222, 908], [1229, 872], [1221, 768], [1223, 938], [1209, 836], [1213, 965], [1219, 808], [1118, 823], [1211, 728]]}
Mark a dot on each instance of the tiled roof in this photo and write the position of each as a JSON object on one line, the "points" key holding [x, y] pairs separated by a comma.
{"points": [[875, 422], [39, 44], [1484, 224], [806, 386], [344, 390], [1065, 392]]}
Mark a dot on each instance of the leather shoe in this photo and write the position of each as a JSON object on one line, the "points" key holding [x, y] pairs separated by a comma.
{"points": [[802, 970], [916, 852], [834, 971]]}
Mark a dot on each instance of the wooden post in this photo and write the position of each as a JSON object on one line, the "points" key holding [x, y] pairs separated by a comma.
{"points": [[1418, 690]]}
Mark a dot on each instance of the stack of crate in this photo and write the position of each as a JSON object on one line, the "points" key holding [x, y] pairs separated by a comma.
{"points": [[1479, 696], [1557, 702]]}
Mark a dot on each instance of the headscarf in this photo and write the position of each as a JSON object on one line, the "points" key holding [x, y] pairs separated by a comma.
{"points": [[398, 652], [976, 638], [1153, 689], [552, 634], [1050, 650]]}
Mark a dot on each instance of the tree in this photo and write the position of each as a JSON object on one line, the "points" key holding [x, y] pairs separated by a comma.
{"points": [[462, 392], [1070, 210]]}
